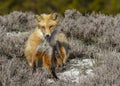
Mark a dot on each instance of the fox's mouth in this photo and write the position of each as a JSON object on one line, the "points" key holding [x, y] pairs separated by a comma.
{"points": [[48, 38]]}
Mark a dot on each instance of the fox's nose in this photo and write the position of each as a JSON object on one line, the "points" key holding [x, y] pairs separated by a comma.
{"points": [[47, 35]]}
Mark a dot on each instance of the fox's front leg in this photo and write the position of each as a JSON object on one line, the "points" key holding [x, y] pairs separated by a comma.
{"points": [[47, 64], [34, 63], [53, 57]]}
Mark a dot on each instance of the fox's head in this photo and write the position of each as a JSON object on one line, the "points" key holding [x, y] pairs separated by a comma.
{"points": [[47, 23]]}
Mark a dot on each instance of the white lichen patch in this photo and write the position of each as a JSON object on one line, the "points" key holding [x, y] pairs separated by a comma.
{"points": [[76, 69], [70, 75]]}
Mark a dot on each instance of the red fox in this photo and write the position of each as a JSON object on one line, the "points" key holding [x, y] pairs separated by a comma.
{"points": [[44, 42]]}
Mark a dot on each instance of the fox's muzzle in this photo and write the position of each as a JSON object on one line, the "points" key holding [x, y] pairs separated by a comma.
{"points": [[47, 35]]}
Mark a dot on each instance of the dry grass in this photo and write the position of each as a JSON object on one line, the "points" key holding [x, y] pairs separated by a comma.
{"points": [[91, 36]]}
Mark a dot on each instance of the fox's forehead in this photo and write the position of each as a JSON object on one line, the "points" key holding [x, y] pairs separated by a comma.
{"points": [[47, 23], [47, 20], [46, 16]]}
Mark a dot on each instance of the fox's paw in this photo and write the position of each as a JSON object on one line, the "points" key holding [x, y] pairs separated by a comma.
{"points": [[51, 77]]}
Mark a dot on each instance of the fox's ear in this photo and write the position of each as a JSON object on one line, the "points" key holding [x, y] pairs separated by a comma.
{"points": [[55, 16], [37, 17]]}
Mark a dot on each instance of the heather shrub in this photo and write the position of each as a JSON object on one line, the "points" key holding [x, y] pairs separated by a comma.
{"points": [[107, 74], [98, 29], [18, 21], [12, 44], [16, 72]]}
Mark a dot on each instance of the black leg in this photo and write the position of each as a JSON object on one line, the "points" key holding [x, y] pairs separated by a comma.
{"points": [[54, 74], [53, 64], [34, 68], [53, 58], [57, 47]]}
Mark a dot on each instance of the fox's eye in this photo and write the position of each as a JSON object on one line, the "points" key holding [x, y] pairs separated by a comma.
{"points": [[51, 26], [42, 27]]}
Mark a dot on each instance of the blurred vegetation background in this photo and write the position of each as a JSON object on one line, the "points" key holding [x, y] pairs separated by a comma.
{"points": [[40, 6]]}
